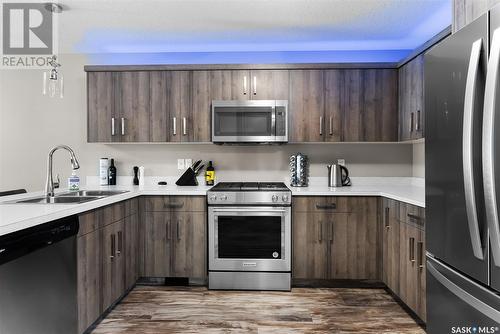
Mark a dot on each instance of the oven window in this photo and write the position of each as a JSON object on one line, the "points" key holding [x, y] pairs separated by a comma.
{"points": [[249, 237], [249, 121]]}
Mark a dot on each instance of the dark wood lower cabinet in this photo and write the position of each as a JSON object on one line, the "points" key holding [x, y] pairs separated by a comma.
{"points": [[107, 248], [174, 236], [331, 244], [404, 253]]}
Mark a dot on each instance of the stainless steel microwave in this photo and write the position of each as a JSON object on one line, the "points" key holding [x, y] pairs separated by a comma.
{"points": [[258, 121]]}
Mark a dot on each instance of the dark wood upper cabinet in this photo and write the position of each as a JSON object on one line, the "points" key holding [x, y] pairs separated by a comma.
{"points": [[132, 105], [370, 105], [411, 99], [178, 96], [160, 117], [306, 106], [100, 107], [269, 84], [334, 97]]}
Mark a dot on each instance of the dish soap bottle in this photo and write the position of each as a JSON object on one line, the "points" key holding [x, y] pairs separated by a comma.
{"points": [[210, 174], [73, 182], [112, 173]]}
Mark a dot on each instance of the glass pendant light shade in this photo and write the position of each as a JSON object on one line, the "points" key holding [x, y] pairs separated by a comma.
{"points": [[53, 80]]}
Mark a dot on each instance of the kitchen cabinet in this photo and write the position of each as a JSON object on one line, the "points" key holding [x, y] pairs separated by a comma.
{"points": [[390, 241], [411, 99], [100, 107], [174, 236], [306, 106], [334, 98], [466, 11], [118, 106], [310, 247], [269, 84], [335, 238], [370, 105], [107, 248], [404, 253]]}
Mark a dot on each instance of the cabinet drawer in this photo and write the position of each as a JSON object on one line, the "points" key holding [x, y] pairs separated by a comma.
{"points": [[320, 204], [131, 206], [174, 203], [89, 222], [412, 215]]}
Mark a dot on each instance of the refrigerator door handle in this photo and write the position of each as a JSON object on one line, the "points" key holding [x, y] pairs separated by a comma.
{"points": [[482, 307], [488, 147], [467, 147]]}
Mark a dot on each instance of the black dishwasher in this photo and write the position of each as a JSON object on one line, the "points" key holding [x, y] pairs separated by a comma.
{"points": [[38, 279]]}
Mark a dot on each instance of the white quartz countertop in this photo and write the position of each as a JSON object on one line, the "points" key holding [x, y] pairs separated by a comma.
{"points": [[15, 217]]}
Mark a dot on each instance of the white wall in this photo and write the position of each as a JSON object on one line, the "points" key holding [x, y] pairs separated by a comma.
{"points": [[30, 124], [418, 166]]}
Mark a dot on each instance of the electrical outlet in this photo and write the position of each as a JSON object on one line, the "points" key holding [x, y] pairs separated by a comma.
{"points": [[341, 162], [188, 163], [180, 164]]}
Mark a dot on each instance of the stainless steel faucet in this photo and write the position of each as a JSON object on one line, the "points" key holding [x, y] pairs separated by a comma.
{"points": [[50, 184]]}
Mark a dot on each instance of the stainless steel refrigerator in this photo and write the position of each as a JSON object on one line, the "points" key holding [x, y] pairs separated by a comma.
{"points": [[462, 104]]}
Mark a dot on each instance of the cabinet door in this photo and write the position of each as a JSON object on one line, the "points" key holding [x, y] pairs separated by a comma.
{"points": [[89, 279], [406, 123], [408, 280], [334, 99], [100, 104], [390, 239], [157, 244], [417, 95], [203, 92], [113, 268], [269, 85], [160, 114], [132, 103], [189, 253], [179, 105], [131, 250], [370, 107], [310, 246], [353, 246], [307, 106], [421, 268]]}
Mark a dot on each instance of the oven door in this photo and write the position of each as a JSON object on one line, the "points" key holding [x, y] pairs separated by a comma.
{"points": [[249, 121], [249, 238]]}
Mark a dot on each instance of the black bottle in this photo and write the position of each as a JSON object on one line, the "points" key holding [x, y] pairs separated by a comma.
{"points": [[136, 178], [112, 173]]}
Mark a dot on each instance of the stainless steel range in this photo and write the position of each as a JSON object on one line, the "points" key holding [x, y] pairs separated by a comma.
{"points": [[249, 236]]}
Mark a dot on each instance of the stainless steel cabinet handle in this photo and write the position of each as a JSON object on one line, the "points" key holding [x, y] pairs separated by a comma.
{"points": [[331, 231], [321, 125], [489, 158], [112, 126], [245, 85], [167, 230], [184, 126], [320, 231], [173, 205], [113, 240], [123, 126], [120, 243], [411, 252], [414, 217], [411, 121], [178, 227], [420, 255], [467, 148], [417, 123], [174, 125], [331, 125], [254, 85], [331, 206], [387, 224]]}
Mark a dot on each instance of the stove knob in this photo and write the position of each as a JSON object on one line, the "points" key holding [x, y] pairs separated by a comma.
{"points": [[285, 198], [213, 198], [223, 197], [275, 198]]}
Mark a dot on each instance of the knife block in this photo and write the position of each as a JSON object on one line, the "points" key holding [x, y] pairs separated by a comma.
{"points": [[188, 178]]}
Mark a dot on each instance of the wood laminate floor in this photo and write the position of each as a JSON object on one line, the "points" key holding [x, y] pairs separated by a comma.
{"points": [[148, 310]]}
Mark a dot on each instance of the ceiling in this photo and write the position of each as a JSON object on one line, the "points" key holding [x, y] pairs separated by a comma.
{"points": [[153, 31]]}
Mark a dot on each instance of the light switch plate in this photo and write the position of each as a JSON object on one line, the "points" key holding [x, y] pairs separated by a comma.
{"points": [[180, 164], [341, 162], [188, 163]]}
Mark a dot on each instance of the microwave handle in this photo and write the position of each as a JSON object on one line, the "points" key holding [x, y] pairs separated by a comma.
{"points": [[273, 121]]}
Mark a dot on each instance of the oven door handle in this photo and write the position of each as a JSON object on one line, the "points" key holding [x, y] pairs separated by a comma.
{"points": [[249, 210]]}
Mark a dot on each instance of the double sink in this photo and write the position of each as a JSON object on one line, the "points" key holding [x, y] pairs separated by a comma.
{"points": [[72, 197]]}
